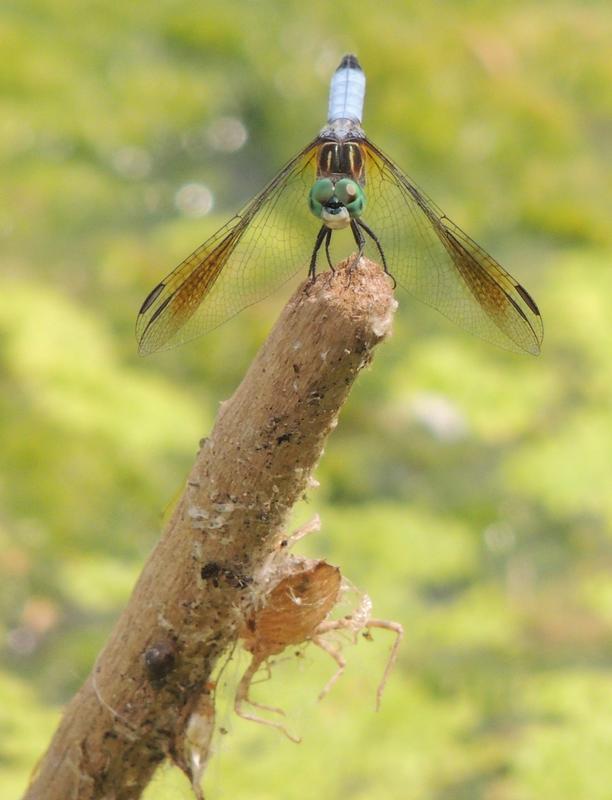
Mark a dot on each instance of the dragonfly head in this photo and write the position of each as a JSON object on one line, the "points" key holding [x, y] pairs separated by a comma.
{"points": [[336, 202]]}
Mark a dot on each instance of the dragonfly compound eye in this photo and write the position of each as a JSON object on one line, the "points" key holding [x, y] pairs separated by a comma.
{"points": [[351, 195], [320, 194]]}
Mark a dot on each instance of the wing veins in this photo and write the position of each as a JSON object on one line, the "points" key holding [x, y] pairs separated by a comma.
{"points": [[163, 302], [468, 260], [473, 266]]}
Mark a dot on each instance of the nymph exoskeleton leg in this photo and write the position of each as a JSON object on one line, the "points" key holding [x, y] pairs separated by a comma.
{"points": [[336, 654], [313, 526], [242, 696], [354, 625], [398, 630]]}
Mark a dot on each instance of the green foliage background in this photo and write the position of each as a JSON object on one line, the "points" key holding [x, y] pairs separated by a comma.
{"points": [[467, 490]]}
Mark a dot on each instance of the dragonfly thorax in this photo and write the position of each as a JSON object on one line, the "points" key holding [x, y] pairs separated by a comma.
{"points": [[341, 159], [336, 201]]}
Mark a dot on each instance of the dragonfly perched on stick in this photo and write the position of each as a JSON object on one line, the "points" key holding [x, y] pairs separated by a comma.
{"points": [[340, 183]]}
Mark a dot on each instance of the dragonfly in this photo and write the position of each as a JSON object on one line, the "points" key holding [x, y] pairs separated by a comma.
{"points": [[341, 187]]}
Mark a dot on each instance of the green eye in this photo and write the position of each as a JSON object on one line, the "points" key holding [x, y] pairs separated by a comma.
{"points": [[344, 193], [322, 191], [351, 195]]}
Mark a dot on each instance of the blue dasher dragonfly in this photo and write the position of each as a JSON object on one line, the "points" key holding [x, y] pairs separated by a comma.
{"points": [[340, 183]]}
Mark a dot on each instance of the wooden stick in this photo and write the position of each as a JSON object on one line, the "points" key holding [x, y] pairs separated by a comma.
{"points": [[133, 710]]}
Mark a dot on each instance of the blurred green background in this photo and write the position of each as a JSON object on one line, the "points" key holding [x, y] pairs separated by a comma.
{"points": [[467, 490]]}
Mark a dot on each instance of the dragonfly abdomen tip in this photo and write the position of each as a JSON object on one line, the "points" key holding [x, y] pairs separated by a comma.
{"points": [[349, 61]]}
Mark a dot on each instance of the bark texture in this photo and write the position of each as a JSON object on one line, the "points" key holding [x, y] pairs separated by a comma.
{"points": [[185, 611]]}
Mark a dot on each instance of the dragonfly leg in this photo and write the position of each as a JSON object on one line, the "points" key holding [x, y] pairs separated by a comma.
{"points": [[327, 242], [359, 239], [374, 238], [312, 270]]}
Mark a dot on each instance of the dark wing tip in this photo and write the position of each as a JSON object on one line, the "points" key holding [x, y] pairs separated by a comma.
{"points": [[537, 327], [152, 297], [349, 61], [147, 344], [527, 298]]}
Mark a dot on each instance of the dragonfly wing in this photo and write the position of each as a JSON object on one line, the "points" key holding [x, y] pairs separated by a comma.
{"points": [[438, 263], [257, 251]]}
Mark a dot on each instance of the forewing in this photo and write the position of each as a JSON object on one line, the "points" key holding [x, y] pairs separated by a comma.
{"points": [[250, 257], [438, 263]]}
